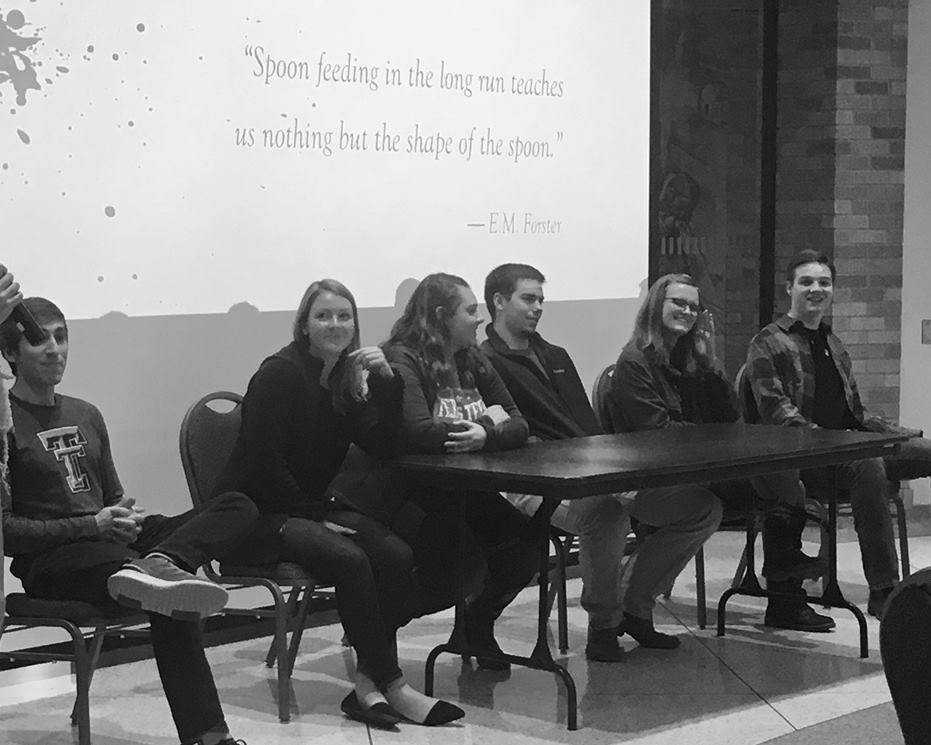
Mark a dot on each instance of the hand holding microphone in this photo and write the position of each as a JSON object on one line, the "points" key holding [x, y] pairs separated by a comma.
{"points": [[11, 306]]}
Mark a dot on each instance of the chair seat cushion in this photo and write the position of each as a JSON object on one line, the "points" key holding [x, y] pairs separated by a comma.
{"points": [[284, 572], [20, 605]]}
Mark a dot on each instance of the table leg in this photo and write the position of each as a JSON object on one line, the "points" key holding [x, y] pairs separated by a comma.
{"points": [[541, 658], [831, 596]]}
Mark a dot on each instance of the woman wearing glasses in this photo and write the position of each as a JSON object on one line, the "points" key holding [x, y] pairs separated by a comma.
{"points": [[667, 376]]}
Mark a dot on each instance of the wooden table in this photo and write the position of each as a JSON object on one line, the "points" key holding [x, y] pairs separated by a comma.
{"points": [[586, 466]]}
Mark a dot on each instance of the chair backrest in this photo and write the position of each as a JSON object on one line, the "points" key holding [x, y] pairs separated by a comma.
{"points": [[207, 439], [746, 401], [600, 398]]}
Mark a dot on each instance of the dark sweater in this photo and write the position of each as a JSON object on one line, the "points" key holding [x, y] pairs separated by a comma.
{"points": [[421, 433], [552, 399], [292, 441]]}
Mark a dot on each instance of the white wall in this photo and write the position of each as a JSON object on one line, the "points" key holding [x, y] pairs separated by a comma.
{"points": [[916, 260]]}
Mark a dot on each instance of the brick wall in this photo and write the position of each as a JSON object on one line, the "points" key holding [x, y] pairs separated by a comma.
{"points": [[869, 192], [705, 110], [807, 147], [840, 161], [841, 170]]}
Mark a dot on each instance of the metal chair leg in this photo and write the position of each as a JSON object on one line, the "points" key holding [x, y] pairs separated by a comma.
{"points": [[290, 610], [700, 588], [297, 626], [902, 523], [96, 642]]}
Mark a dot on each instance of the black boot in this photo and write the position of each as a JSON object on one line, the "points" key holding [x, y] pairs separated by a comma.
{"points": [[793, 612], [783, 558], [480, 633]]}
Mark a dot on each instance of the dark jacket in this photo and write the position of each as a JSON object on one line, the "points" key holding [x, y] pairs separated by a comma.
{"points": [[553, 400], [422, 433], [292, 441], [647, 394]]}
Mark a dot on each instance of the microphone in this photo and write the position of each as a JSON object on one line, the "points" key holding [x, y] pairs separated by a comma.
{"points": [[27, 323]]}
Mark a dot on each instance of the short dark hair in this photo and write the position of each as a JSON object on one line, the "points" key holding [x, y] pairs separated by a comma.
{"points": [[808, 256], [504, 279], [44, 311]]}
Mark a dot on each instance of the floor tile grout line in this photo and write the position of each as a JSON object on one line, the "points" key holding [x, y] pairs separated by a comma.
{"points": [[724, 662]]}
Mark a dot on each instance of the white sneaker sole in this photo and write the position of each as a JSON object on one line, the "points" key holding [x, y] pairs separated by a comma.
{"points": [[183, 600]]}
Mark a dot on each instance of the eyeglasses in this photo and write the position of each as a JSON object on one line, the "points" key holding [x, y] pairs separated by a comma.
{"points": [[683, 304]]}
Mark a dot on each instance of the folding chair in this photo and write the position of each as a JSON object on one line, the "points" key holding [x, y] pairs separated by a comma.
{"points": [[87, 625], [208, 434]]}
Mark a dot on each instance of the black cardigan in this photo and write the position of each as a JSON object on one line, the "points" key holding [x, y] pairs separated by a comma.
{"points": [[292, 442]]}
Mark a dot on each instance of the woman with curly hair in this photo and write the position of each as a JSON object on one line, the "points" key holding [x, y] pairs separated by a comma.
{"points": [[455, 402]]}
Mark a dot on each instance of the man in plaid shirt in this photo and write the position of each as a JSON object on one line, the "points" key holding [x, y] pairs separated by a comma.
{"points": [[801, 375]]}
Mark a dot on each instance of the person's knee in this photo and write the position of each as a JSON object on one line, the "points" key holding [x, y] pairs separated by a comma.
{"points": [[606, 516], [870, 471], [395, 556], [714, 514], [238, 502], [700, 507]]}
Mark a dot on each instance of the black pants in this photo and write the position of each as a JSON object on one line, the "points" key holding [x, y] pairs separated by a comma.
{"points": [[905, 644], [495, 535], [372, 571], [79, 571]]}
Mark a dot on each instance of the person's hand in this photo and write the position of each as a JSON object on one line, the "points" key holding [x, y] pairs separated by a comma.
{"points": [[10, 295], [337, 528], [469, 436], [138, 514], [373, 360], [495, 414], [116, 523], [704, 334], [363, 362]]}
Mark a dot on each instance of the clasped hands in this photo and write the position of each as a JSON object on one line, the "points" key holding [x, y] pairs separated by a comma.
{"points": [[120, 522]]}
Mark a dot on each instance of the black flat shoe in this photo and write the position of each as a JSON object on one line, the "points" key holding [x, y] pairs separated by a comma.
{"points": [[380, 715], [441, 713]]}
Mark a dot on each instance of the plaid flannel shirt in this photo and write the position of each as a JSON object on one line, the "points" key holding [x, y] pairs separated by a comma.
{"points": [[781, 372]]}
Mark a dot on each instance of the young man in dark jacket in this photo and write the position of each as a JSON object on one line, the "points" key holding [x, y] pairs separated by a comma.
{"points": [[546, 388]]}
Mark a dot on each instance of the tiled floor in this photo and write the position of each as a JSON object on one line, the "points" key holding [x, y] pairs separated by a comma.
{"points": [[752, 686]]}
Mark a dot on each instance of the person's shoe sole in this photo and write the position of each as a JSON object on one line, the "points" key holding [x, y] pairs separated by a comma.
{"points": [[183, 600]]}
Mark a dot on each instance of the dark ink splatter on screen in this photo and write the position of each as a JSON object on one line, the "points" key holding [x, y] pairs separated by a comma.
{"points": [[16, 67]]}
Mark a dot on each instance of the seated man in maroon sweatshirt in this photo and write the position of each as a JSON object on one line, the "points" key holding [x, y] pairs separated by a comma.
{"points": [[75, 535]]}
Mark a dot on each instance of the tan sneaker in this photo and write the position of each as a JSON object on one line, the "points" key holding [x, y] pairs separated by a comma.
{"points": [[157, 585]]}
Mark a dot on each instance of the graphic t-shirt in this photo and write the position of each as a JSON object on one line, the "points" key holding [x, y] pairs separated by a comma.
{"points": [[458, 403], [61, 475]]}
